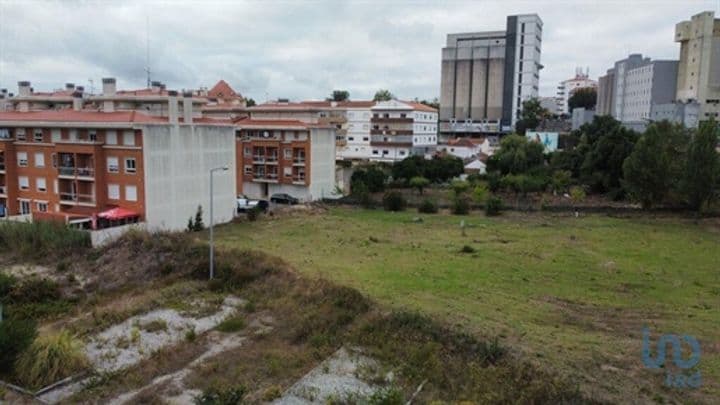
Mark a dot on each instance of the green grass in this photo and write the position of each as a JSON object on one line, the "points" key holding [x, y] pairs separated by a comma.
{"points": [[41, 239], [573, 293]]}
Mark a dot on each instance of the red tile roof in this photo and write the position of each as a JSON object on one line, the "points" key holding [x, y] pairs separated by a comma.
{"points": [[421, 106], [314, 104], [223, 90], [80, 116], [247, 122]]}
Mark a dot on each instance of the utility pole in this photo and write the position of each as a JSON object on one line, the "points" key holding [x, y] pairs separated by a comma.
{"points": [[212, 250]]}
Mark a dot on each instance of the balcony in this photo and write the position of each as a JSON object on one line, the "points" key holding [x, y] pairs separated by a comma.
{"points": [[77, 199], [2, 166], [391, 131], [299, 161], [272, 160], [298, 180], [394, 120], [391, 140], [265, 178], [258, 159], [3, 191], [86, 172]]}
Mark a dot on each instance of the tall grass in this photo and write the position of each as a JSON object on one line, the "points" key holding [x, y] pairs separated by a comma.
{"points": [[40, 239], [49, 359]]}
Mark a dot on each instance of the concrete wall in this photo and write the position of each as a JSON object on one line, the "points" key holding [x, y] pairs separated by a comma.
{"points": [[322, 163], [178, 159], [102, 237]]}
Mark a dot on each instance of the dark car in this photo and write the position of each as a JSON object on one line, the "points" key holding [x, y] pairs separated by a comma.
{"points": [[282, 198]]}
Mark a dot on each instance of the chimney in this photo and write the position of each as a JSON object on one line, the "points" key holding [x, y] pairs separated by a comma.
{"points": [[108, 86], [24, 88], [155, 86], [77, 101], [70, 86], [172, 107], [187, 107]]}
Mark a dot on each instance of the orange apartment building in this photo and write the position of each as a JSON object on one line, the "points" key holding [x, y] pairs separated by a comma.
{"points": [[285, 156], [75, 161]]}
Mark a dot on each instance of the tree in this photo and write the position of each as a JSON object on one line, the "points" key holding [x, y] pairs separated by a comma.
{"points": [[198, 223], [585, 97], [250, 102], [652, 170], [530, 115], [372, 177], [701, 174], [383, 95], [516, 155], [419, 183], [435, 103], [339, 95]]}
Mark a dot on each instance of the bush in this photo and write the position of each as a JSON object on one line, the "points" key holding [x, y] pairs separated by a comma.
{"points": [[50, 359], [221, 396], [467, 249], [493, 206], [41, 239], [394, 201], [428, 207], [419, 183], [15, 336], [480, 193], [577, 194], [34, 291], [232, 324], [7, 282], [460, 205], [253, 214]]}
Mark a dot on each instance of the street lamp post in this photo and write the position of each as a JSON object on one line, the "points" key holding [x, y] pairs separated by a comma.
{"points": [[212, 251]]}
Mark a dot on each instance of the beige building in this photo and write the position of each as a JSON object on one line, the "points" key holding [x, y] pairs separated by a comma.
{"points": [[699, 68]]}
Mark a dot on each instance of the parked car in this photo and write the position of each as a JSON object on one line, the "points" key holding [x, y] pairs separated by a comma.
{"points": [[282, 198], [244, 204]]}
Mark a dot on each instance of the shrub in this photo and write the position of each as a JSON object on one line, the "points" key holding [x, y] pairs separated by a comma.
{"points": [[460, 205], [419, 183], [41, 239], [253, 214], [480, 193], [15, 336], [577, 194], [428, 207], [460, 186], [34, 291], [493, 206], [394, 201], [467, 249], [190, 335], [7, 282], [232, 324], [387, 396], [221, 396], [155, 326], [50, 359]]}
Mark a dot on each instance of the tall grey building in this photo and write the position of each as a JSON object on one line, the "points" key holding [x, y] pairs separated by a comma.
{"points": [[487, 75]]}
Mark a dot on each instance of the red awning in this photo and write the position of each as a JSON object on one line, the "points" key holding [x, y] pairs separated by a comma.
{"points": [[117, 213]]}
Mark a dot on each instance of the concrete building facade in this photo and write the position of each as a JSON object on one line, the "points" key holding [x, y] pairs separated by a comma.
{"points": [[686, 114], [699, 69], [606, 94], [485, 77], [567, 88], [399, 129]]}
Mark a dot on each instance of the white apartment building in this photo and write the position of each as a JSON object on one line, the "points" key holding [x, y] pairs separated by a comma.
{"points": [[400, 129], [356, 144], [567, 88]]}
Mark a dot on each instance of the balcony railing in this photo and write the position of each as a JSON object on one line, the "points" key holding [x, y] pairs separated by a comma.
{"points": [[2, 166], [299, 161], [76, 198], [259, 159], [76, 171], [298, 179], [271, 159]]}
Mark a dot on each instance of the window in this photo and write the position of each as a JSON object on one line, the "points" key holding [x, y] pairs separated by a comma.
{"points": [[24, 183], [130, 193], [247, 151], [92, 135], [40, 184], [4, 133], [20, 134], [39, 159], [385, 152], [365, 138], [22, 159], [351, 138], [113, 192], [403, 115], [288, 153], [42, 206], [129, 138], [375, 152], [111, 137], [24, 207], [38, 135], [287, 171], [113, 166], [402, 153], [248, 169], [130, 165], [56, 135]]}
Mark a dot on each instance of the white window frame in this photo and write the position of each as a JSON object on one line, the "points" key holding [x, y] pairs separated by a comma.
{"points": [[23, 204], [113, 191], [40, 204], [113, 168], [22, 158], [38, 134], [111, 137], [130, 195], [128, 169], [39, 162], [41, 184], [129, 138], [20, 134], [23, 183]]}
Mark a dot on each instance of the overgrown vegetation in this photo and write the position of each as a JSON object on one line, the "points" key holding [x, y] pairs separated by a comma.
{"points": [[51, 358], [394, 201], [428, 206], [41, 239]]}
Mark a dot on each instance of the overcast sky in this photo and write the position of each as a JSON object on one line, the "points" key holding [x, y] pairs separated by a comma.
{"points": [[305, 49]]}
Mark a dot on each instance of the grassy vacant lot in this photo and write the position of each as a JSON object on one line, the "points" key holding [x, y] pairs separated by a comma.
{"points": [[570, 293]]}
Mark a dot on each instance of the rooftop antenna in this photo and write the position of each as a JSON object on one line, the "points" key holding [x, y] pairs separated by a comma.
{"points": [[147, 50]]}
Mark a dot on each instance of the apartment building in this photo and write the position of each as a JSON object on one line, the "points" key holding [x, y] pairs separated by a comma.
{"points": [[568, 87], [633, 85], [285, 156], [399, 129], [75, 164], [486, 76], [223, 102], [699, 68]]}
